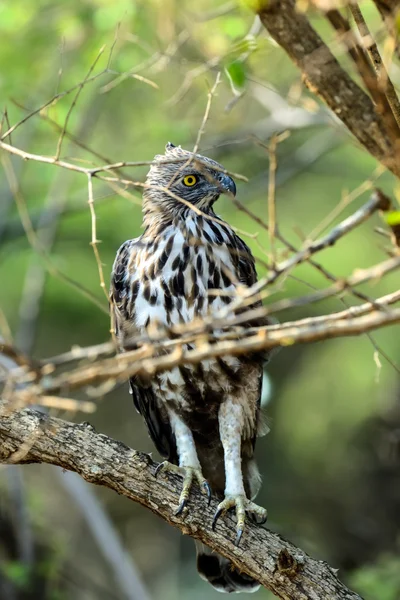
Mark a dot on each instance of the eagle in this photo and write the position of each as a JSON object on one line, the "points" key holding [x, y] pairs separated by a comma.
{"points": [[203, 418]]}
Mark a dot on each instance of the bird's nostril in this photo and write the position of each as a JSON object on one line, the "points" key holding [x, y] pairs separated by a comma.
{"points": [[226, 183]]}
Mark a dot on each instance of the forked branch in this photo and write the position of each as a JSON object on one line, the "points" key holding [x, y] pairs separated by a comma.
{"points": [[325, 77]]}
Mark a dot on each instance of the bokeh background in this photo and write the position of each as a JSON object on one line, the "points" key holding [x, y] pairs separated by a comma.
{"points": [[330, 465]]}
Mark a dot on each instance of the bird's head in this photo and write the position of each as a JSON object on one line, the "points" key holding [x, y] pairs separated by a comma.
{"points": [[179, 178]]}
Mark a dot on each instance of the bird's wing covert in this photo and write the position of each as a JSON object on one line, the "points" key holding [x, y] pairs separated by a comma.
{"points": [[122, 311]]}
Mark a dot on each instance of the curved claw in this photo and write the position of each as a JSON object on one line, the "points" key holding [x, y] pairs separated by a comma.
{"points": [[242, 507], [216, 517], [189, 474], [180, 508], [239, 534], [262, 521], [258, 521], [159, 468], [207, 489]]}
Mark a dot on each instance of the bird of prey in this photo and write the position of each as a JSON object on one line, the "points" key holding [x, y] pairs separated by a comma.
{"points": [[203, 418]]}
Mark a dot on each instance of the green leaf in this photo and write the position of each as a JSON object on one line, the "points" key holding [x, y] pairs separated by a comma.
{"points": [[236, 74], [393, 218], [234, 26], [255, 5]]}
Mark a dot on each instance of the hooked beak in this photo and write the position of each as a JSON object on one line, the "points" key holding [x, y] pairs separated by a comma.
{"points": [[227, 184]]}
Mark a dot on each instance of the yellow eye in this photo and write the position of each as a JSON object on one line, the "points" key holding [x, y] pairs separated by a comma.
{"points": [[190, 180]]}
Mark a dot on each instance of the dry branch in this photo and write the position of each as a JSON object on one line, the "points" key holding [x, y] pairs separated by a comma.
{"points": [[146, 361], [366, 72], [371, 47], [389, 10], [325, 77], [277, 564]]}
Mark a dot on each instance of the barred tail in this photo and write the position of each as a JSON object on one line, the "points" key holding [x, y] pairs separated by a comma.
{"points": [[222, 575]]}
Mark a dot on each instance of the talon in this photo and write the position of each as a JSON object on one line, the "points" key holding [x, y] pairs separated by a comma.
{"points": [[258, 516], [216, 517], [188, 474], [239, 534], [180, 508], [260, 521], [207, 490], [159, 468], [242, 506]]}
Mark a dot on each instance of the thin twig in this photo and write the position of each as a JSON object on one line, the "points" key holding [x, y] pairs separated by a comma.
{"points": [[54, 99], [94, 241], [74, 101], [377, 202], [146, 361], [384, 81], [94, 170], [366, 72], [325, 77], [202, 127], [271, 197], [98, 351], [33, 240]]}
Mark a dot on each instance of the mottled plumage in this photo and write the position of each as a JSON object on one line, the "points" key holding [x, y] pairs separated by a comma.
{"points": [[188, 264]]}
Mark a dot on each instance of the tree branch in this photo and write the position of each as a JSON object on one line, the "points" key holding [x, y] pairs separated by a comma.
{"points": [[385, 83], [28, 436], [325, 77], [146, 361]]}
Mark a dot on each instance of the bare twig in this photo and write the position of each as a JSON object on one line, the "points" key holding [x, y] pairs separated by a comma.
{"points": [[367, 73], [98, 351], [48, 103], [33, 240], [377, 202], [94, 241], [272, 225], [95, 170], [326, 78], [202, 127], [146, 361], [388, 10], [74, 101], [384, 81]]}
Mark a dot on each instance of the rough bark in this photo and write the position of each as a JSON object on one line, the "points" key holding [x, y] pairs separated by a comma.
{"points": [[28, 436], [324, 76]]}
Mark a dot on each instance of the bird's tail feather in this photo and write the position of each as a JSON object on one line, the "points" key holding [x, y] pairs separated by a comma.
{"points": [[220, 572]]}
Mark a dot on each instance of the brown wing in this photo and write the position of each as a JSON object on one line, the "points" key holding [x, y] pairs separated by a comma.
{"points": [[158, 427], [122, 301]]}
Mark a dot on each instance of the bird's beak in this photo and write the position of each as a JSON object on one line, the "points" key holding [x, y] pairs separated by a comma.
{"points": [[227, 184]]}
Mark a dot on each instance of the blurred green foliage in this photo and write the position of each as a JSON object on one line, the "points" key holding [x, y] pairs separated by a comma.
{"points": [[17, 572], [381, 580], [322, 488]]}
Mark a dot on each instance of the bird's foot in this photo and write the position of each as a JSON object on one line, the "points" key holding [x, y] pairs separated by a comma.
{"points": [[242, 506], [189, 474]]}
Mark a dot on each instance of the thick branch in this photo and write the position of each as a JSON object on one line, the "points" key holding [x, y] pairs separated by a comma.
{"points": [[28, 436], [325, 77]]}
